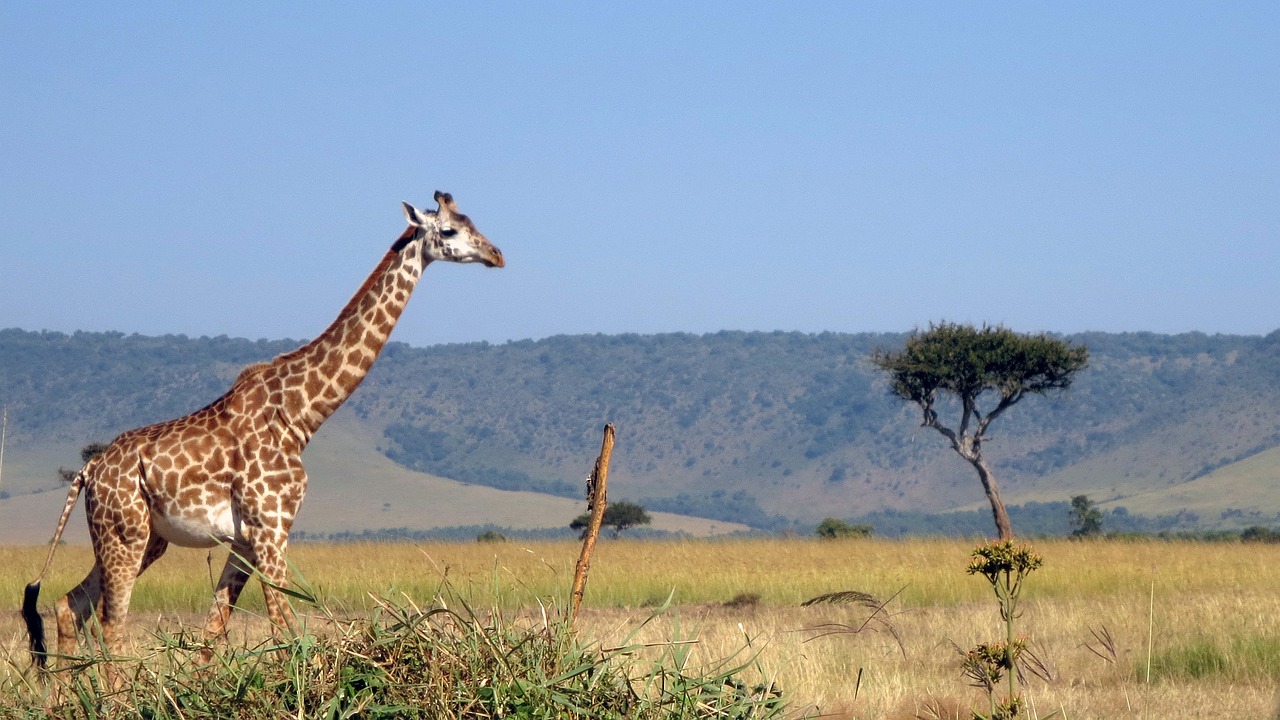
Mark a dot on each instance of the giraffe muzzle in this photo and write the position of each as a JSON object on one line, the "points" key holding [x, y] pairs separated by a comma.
{"points": [[494, 258]]}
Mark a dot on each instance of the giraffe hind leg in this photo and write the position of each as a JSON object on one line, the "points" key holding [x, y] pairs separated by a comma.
{"points": [[122, 563], [74, 609]]}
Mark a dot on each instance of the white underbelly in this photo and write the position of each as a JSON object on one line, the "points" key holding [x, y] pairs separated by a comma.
{"points": [[205, 529]]}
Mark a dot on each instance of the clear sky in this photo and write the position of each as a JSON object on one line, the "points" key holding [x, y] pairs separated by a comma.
{"points": [[237, 168]]}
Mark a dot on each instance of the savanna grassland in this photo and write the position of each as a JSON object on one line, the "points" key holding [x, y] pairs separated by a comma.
{"points": [[1191, 626]]}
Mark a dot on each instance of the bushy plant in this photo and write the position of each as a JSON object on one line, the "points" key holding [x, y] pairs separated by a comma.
{"points": [[832, 529], [1005, 565], [449, 662]]}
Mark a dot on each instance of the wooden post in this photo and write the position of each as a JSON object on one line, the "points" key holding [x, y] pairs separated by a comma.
{"points": [[596, 502]]}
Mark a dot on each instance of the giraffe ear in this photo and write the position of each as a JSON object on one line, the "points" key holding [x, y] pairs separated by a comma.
{"points": [[414, 215], [446, 202]]}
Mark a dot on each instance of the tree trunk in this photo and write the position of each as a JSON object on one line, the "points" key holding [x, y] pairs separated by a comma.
{"points": [[1003, 527]]}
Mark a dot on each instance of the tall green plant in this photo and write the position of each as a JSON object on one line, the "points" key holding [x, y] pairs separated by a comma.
{"points": [[1005, 565]]}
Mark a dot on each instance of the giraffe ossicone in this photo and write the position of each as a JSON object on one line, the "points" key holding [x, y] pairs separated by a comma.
{"points": [[231, 473]]}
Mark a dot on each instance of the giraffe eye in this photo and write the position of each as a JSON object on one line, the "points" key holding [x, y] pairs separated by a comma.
{"points": [[448, 232]]}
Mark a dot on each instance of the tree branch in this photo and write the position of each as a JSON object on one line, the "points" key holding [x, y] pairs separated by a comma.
{"points": [[931, 420], [1006, 401]]}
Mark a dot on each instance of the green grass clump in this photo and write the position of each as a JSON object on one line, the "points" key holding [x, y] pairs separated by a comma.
{"points": [[406, 662], [1243, 658]]}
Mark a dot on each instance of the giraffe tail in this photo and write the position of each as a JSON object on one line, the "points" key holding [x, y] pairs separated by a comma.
{"points": [[35, 626], [30, 613]]}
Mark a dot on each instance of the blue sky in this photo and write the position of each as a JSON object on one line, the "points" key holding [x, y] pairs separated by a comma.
{"points": [[237, 168]]}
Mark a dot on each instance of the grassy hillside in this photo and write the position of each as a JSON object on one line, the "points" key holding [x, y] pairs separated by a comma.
{"points": [[802, 426], [352, 488], [762, 428], [1243, 492], [388, 495]]}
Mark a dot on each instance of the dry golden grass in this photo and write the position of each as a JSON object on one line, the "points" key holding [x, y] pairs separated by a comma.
{"points": [[1212, 600]]}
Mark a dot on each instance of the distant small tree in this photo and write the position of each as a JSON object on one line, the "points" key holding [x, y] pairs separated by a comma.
{"points": [[87, 453], [1086, 518], [619, 516], [1259, 534], [832, 529], [992, 366], [491, 536]]}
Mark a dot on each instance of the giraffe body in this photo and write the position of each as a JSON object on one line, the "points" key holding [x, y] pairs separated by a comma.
{"points": [[231, 473]]}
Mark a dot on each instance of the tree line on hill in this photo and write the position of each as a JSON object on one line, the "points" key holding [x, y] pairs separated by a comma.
{"points": [[777, 430], [1056, 519]]}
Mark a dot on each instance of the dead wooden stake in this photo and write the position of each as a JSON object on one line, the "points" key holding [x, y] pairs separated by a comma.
{"points": [[596, 502]]}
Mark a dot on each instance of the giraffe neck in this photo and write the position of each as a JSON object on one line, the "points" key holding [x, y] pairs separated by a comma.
{"points": [[307, 385]]}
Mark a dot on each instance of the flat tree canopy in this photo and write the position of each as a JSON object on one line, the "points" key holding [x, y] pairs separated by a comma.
{"points": [[988, 366], [619, 516]]}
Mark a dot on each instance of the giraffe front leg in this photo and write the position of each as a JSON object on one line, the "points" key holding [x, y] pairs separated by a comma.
{"points": [[266, 508], [269, 553], [234, 576], [269, 509]]}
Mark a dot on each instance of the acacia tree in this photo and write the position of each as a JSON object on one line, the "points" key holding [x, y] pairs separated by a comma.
{"points": [[1086, 518], [987, 371], [619, 516], [835, 529], [87, 453]]}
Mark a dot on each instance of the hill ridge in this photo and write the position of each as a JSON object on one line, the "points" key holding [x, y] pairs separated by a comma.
{"points": [[766, 428]]}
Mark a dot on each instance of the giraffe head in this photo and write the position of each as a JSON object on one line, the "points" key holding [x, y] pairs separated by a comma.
{"points": [[449, 235]]}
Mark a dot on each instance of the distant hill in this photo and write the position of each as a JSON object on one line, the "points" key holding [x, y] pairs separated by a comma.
{"points": [[766, 429]]}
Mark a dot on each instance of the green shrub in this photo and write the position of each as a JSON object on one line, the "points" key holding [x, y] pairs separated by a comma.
{"points": [[831, 529], [403, 662], [1242, 658]]}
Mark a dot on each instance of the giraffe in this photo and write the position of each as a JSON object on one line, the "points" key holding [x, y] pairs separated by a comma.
{"points": [[231, 473]]}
